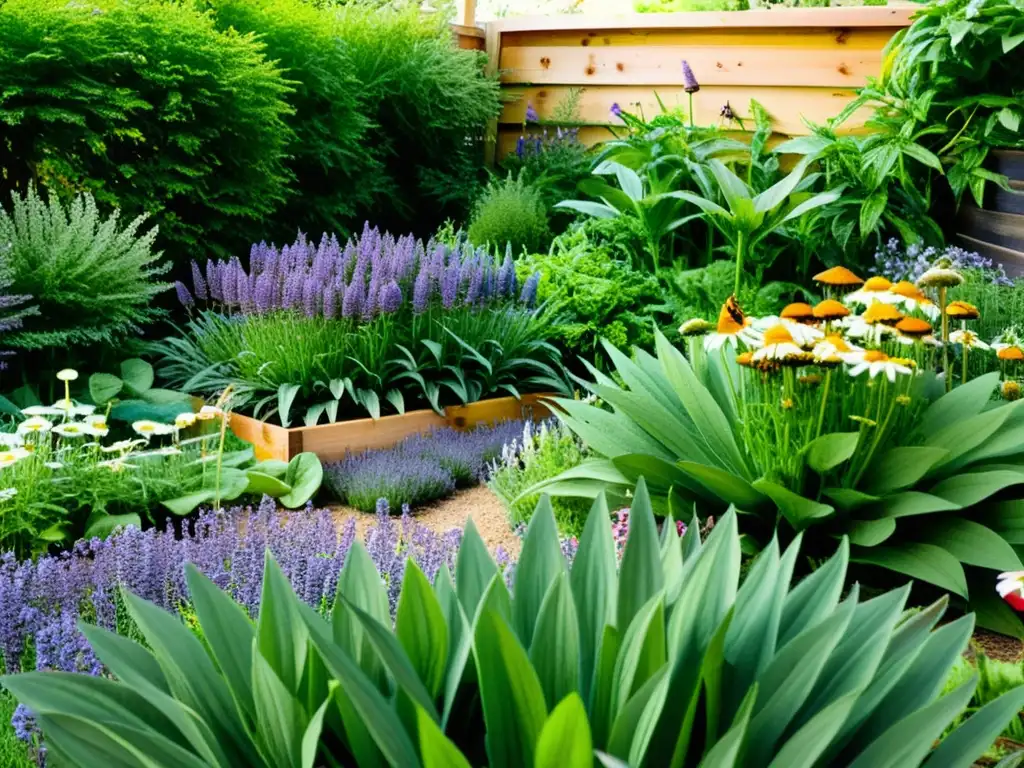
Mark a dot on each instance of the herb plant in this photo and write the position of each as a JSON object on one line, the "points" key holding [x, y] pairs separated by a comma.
{"points": [[565, 663], [510, 214]]}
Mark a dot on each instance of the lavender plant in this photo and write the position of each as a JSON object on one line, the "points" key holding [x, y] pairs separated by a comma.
{"points": [[322, 330], [421, 468], [41, 601]]}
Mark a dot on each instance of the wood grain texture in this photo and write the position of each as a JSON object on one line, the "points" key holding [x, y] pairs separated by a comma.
{"points": [[332, 442], [786, 105], [998, 228]]}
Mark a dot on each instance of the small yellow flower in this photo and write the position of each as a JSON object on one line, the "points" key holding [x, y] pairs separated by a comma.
{"points": [[35, 424], [787, 403], [68, 374], [1010, 390], [902, 400]]}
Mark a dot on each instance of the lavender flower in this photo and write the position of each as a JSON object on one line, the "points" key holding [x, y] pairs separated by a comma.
{"points": [[390, 297], [616, 110], [183, 294], [531, 113], [352, 301], [421, 291], [690, 84], [529, 293], [198, 284]]}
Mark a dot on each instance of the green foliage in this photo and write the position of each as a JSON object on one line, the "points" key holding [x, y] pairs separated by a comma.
{"points": [[429, 103], [952, 81], [595, 296], [510, 214], [333, 157], [92, 278], [150, 108], [346, 367], [567, 662], [546, 451], [700, 442], [672, 6], [701, 292], [13, 753], [994, 679]]}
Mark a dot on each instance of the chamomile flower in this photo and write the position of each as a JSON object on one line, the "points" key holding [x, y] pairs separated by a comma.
{"points": [[71, 408], [35, 424], [12, 456], [209, 412], [42, 410], [184, 420], [96, 425], [779, 347], [11, 439], [875, 362], [829, 350], [122, 446], [72, 429], [870, 333], [803, 335], [912, 299], [734, 328], [148, 428], [968, 339]]}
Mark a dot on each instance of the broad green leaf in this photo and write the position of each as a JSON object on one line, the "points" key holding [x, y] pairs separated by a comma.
{"points": [[726, 752], [555, 647], [971, 543], [802, 749], [104, 387], [963, 436], [829, 451], [272, 467], [265, 485], [137, 374], [474, 569], [640, 575], [848, 499], [800, 511], [815, 597], [730, 488], [304, 475], [920, 561], [540, 563], [510, 693], [359, 584], [314, 730], [280, 722], [871, 533], [421, 629], [460, 642], [901, 467], [910, 740], [101, 525], [594, 586], [909, 503], [967, 743], [632, 725], [600, 708], [436, 749], [968, 489], [643, 652], [285, 397], [962, 402], [281, 637], [185, 505], [991, 612], [565, 738]]}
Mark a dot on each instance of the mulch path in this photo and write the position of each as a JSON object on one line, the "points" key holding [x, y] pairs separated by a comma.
{"points": [[478, 503], [998, 647]]}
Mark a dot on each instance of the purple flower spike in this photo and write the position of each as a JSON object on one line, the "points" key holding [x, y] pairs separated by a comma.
{"points": [[213, 280], [198, 284], [616, 110], [531, 113], [390, 297], [183, 295], [352, 301], [690, 84], [421, 291], [529, 294]]}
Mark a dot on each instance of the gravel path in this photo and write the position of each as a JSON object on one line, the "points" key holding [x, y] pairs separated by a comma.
{"points": [[479, 503]]}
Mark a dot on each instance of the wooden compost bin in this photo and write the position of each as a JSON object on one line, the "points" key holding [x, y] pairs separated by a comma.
{"points": [[332, 441], [997, 230], [796, 62]]}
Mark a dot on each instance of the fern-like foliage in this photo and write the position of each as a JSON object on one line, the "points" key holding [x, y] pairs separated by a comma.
{"points": [[510, 213], [91, 277]]}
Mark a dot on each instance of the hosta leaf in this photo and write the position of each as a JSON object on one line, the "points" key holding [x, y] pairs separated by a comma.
{"points": [[435, 748], [909, 503], [510, 693], [565, 738], [474, 569], [920, 561], [260, 484], [304, 475], [640, 575], [421, 629], [971, 543], [829, 451], [555, 647], [728, 487], [137, 374], [848, 499], [800, 511], [594, 586], [540, 563], [962, 402], [871, 533], [962, 436], [901, 467], [970, 488]]}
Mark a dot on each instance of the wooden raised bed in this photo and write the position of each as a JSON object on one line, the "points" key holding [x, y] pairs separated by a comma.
{"points": [[997, 230], [331, 442]]}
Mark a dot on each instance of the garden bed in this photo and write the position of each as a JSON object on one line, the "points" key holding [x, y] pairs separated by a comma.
{"points": [[331, 442]]}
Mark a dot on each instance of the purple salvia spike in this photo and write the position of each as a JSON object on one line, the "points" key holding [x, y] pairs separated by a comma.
{"points": [[213, 280], [330, 301], [352, 301], [421, 291], [390, 297], [198, 283]]}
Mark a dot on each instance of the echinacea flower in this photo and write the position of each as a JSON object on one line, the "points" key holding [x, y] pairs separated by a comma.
{"points": [[1010, 587], [35, 424], [829, 349], [71, 429], [804, 335], [838, 277], [779, 347], [961, 310], [798, 312], [829, 310], [880, 312], [914, 327], [148, 428], [875, 362], [874, 289], [968, 339], [1013, 352], [733, 329], [912, 299]]}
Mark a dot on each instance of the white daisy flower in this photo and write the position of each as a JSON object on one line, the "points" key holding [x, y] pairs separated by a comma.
{"points": [[35, 424], [874, 289], [72, 408], [148, 428], [969, 339], [11, 439], [13, 456], [1009, 582], [869, 333], [71, 429], [875, 362], [209, 412], [68, 374], [184, 420], [42, 410]]}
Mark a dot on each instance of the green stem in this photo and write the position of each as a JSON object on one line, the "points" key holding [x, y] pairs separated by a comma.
{"points": [[945, 339], [691, 111], [824, 401], [963, 372], [882, 430], [740, 254]]}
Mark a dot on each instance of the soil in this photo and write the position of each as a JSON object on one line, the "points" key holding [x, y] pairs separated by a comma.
{"points": [[998, 647], [479, 503]]}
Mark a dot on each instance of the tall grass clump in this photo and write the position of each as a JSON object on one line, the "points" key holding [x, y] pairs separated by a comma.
{"points": [[92, 277], [510, 214], [151, 109]]}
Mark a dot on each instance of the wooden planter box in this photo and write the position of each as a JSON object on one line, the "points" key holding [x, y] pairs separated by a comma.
{"points": [[331, 442], [997, 230]]}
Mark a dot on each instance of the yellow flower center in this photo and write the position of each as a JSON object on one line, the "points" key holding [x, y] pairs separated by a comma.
{"points": [[875, 356], [777, 334]]}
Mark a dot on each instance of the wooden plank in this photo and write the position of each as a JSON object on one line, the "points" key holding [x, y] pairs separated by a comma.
{"points": [[492, 46], [1004, 229], [845, 38], [1009, 162], [331, 442], [867, 16], [1007, 201], [269, 441], [713, 65], [785, 105], [1012, 261], [493, 411], [467, 13]]}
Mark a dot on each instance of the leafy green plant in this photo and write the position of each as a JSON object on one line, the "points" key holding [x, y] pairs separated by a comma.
{"points": [[510, 213], [951, 81], [840, 457], [569, 662], [132, 396], [595, 296], [92, 278], [994, 679], [187, 128]]}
